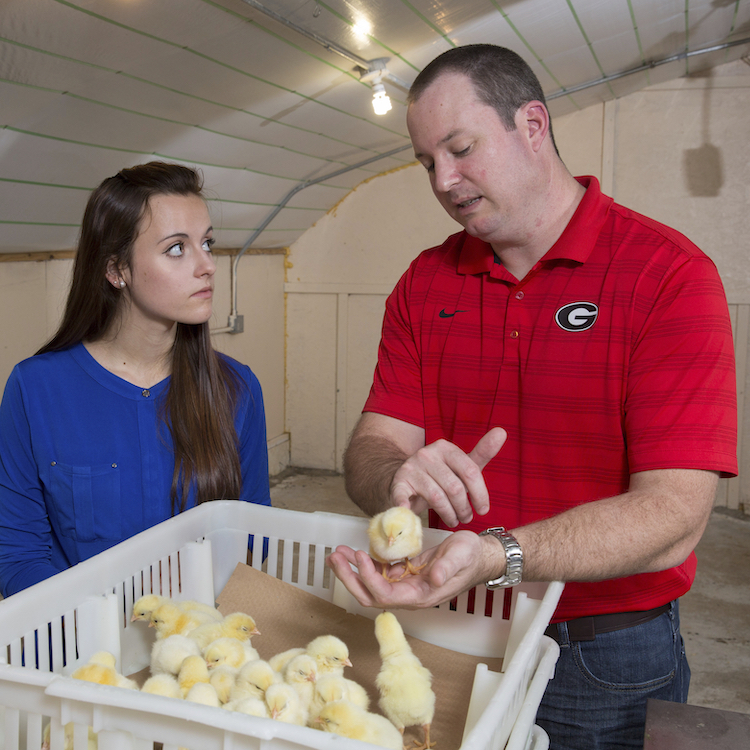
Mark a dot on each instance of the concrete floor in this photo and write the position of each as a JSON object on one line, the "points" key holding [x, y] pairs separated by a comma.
{"points": [[715, 613]]}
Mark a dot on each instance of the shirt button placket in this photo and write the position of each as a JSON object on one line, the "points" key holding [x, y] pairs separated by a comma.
{"points": [[518, 295]]}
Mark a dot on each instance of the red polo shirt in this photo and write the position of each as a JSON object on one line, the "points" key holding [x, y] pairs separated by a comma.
{"points": [[613, 355]]}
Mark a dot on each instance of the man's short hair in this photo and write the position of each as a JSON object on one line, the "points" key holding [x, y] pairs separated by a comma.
{"points": [[502, 79]]}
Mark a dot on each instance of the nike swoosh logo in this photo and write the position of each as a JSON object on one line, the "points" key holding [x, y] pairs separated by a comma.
{"points": [[444, 314]]}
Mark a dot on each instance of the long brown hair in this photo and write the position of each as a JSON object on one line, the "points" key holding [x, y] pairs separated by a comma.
{"points": [[200, 403]]}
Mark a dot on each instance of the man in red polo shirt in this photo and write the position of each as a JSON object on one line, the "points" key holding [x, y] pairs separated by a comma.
{"points": [[563, 368]]}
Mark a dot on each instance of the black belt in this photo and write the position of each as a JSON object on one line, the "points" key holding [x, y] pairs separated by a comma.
{"points": [[587, 628]]}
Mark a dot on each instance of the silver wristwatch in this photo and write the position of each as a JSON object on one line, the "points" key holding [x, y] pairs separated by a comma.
{"points": [[513, 558]]}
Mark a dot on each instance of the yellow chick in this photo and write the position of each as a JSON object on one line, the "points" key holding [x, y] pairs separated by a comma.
{"points": [[396, 536], [225, 651], [92, 741], [333, 687], [301, 673], [405, 686], [162, 684], [203, 692], [193, 669], [238, 625], [167, 654], [250, 706], [169, 619], [279, 661], [285, 705], [100, 668], [143, 607], [330, 652], [223, 679], [253, 679], [205, 611], [344, 718]]}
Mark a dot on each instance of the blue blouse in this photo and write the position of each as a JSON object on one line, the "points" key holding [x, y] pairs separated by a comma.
{"points": [[86, 462]]}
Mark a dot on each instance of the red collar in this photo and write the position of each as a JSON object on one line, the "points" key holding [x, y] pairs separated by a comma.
{"points": [[575, 243]]}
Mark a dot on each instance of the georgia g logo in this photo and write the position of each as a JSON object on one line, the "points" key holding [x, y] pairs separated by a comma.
{"points": [[577, 316]]}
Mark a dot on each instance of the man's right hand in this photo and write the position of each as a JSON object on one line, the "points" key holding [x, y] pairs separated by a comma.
{"points": [[387, 463], [442, 477]]}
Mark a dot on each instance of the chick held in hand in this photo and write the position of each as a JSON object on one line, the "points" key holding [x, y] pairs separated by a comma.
{"points": [[396, 536], [404, 684], [344, 718]]}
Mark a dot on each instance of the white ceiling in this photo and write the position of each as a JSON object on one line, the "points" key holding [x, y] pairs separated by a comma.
{"points": [[90, 86]]}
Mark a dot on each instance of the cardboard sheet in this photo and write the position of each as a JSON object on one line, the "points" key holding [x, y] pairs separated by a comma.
{"points": [[288, 617]]}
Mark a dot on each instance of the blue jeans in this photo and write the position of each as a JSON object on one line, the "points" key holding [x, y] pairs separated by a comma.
{"points": [[597, 698]]}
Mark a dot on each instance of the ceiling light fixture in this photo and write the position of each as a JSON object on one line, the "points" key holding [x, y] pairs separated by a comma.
{"points": [[370, 71], [374, 73], [381, 102]]}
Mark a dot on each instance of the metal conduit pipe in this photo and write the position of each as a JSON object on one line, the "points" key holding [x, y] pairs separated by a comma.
{"points": [[646, 66], [235, 324]]}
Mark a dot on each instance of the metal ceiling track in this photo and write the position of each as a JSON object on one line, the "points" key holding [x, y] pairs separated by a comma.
{"points": [[364, 66]]}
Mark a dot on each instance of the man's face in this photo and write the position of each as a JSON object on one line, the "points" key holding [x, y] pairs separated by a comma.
{"points": [[479, 171]]}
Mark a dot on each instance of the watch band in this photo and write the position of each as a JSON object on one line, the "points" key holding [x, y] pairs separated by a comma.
{"points": [[513, 558]]}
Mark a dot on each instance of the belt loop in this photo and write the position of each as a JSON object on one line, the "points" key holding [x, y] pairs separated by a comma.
{"points": [[559, 633], [564, 630]]}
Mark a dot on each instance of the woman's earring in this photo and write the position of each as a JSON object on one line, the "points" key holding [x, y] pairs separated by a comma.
{"points": [[122, 284]]}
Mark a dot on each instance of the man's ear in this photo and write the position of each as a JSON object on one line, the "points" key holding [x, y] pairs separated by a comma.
{"points": [[535, 120]]}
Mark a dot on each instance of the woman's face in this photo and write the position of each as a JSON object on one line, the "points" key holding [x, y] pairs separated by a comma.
{"points": [[171, 275]]}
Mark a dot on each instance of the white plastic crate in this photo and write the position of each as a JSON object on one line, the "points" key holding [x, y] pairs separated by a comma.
{"points": [[47, 631]]}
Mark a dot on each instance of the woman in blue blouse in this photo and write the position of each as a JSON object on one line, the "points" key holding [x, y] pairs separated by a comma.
{"points": [[127, 415]]}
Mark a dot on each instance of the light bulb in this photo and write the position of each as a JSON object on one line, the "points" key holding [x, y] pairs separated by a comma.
{"points": [[381, 102]]}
